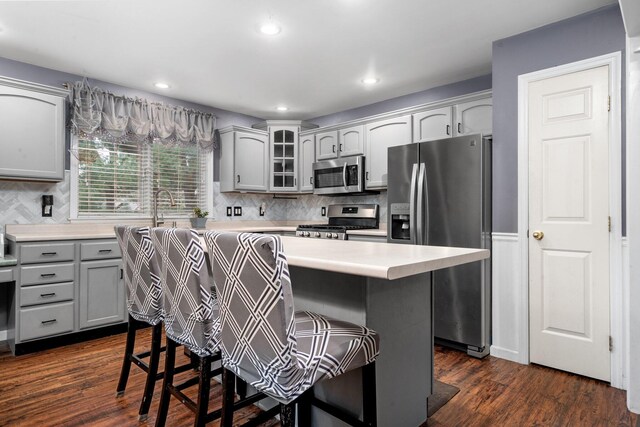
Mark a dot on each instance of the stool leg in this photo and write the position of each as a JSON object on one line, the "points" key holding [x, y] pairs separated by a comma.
{"points": [[228, 382], [370, 416], [204, 385], [304, 408], [128, 351], [169, 365], [241, 388], [288, 414], [154, 361]]}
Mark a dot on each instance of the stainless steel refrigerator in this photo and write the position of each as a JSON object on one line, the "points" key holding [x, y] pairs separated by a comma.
{"points": [[439, 193]]}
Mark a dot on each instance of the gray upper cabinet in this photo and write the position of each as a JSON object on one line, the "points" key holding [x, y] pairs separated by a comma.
{"points": [[307, 157], [381, 135], [244, 159], [32, 131], [284, 153], [351, 141], [432, 124], [474, 117], [327, 145]]}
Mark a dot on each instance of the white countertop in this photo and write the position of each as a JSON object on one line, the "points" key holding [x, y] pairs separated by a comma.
{"points": [[372, 259], [79, 231]]}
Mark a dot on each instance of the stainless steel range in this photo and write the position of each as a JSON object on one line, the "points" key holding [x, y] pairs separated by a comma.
{"points": [[341, 219]]}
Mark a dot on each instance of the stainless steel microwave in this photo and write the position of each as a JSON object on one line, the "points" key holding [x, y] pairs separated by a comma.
{"points": [[339, 176]]}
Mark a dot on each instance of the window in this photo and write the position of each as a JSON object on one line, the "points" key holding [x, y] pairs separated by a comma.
{"points": [[119, 179]]}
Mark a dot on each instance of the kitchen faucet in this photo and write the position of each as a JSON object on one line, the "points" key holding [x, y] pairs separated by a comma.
{"points": [[155, 205]]}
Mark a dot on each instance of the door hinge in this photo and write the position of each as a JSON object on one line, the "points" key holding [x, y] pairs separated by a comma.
{"points": [[527, 234], [609, 103], [610, 343], [609, 224]]}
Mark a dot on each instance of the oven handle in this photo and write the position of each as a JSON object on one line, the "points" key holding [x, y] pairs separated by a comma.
{"points": [[344, 176]]}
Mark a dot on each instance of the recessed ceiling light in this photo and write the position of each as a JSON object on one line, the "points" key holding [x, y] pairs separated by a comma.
{"points": [[161, 85], [282, 108], [270, 28], [370, 80]]}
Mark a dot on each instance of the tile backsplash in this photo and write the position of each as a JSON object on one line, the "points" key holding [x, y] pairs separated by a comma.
{"points": [[20, 203]]}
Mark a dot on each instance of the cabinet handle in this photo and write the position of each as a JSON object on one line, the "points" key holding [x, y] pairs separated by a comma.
{"points": [[366, 176], [311, 180], [448, 129], [333, 148], [295, 181], [49, 253], [238, 178], [50, 294], [47, 274], [46, 322], [341, 148], [459, 127], [121, 274], [104, 251]]}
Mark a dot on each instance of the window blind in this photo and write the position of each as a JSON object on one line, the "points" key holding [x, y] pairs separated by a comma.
{"points": [[119, 179]]}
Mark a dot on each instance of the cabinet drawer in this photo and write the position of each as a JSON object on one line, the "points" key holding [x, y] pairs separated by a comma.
{"points": [[6, 275], [34, 275], [49, 252], [99, 250], [42, 294], [42, 321]]}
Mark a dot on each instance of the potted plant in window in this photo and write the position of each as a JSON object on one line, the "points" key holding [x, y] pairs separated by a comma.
{"points": [[199, 219]]}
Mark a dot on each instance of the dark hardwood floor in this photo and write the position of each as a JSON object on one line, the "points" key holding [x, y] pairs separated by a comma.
{"points": [[75, 386]]}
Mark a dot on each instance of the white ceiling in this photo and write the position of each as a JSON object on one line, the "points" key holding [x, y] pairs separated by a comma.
{"points": [[211, 52]]}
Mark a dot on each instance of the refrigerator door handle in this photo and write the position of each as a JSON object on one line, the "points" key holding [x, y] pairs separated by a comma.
{"points": [[422, 239], [412, 204]]}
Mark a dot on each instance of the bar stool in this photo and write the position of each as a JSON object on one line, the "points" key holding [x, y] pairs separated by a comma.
{"points": [[190, 318], [278, 351], [143, 305]]}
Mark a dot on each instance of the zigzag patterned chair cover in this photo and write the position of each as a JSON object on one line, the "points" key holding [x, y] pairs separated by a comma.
{"points": [[140, 274], [190, 307], [263, 341]]}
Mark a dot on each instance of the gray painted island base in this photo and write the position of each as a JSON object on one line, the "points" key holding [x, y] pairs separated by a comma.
{"points": [[400, 311]]}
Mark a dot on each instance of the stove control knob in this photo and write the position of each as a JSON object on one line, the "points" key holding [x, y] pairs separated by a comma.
{"points": [[317, 234], [335, 235], [327, 235], [306, 234]]}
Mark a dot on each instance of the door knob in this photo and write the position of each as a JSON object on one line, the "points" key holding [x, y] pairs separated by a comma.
{"points": [[538, 235]]}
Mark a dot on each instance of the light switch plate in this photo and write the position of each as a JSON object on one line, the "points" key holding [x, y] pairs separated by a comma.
{"points": [[237, 211], [229, 211], [323, 211]]}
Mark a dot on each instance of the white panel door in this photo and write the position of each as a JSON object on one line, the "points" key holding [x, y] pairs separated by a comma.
{"points": [[251, 157], [474, 117], [307, 157], [327, 145], [431, 125], [351, 141], [568, 222]]}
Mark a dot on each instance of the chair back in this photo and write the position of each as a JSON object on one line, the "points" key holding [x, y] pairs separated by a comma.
{"points": [[257, 324], [141, 275], [189, 305]]}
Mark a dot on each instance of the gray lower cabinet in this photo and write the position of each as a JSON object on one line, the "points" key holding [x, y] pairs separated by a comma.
{"points": [[101, 293]]}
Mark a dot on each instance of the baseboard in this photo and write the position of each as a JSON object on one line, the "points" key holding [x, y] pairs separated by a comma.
{"points": [[504, 353]]}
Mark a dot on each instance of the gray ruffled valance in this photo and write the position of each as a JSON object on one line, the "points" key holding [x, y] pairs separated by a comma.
{"points": [[95, 112]]}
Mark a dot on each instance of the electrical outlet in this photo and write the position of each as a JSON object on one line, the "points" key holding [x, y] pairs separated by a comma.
{"points": [[323, 211], [229, 211], [263, 209], [237, 211]]}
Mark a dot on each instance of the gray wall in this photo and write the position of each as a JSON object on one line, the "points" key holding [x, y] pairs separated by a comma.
{"points": [[430, 95], [581, 37]]}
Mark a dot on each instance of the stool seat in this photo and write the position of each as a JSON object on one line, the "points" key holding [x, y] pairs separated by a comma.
{"points": [[326, 348]]}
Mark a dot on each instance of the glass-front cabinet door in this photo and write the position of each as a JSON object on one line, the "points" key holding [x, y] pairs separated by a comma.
{"points": [[284, 154]]}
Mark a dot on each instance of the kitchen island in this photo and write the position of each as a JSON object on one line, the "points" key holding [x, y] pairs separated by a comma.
{"points": [[388, 288]]}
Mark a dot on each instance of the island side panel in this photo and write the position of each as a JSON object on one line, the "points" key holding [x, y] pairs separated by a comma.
{"points": [[400, 311]]}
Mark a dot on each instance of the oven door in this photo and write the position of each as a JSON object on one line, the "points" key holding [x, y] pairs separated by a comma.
{"points": [[339, 176]]}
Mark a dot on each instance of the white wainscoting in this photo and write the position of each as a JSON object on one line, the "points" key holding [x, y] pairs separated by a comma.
{"points": [[505, 297], [507, 305]]}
